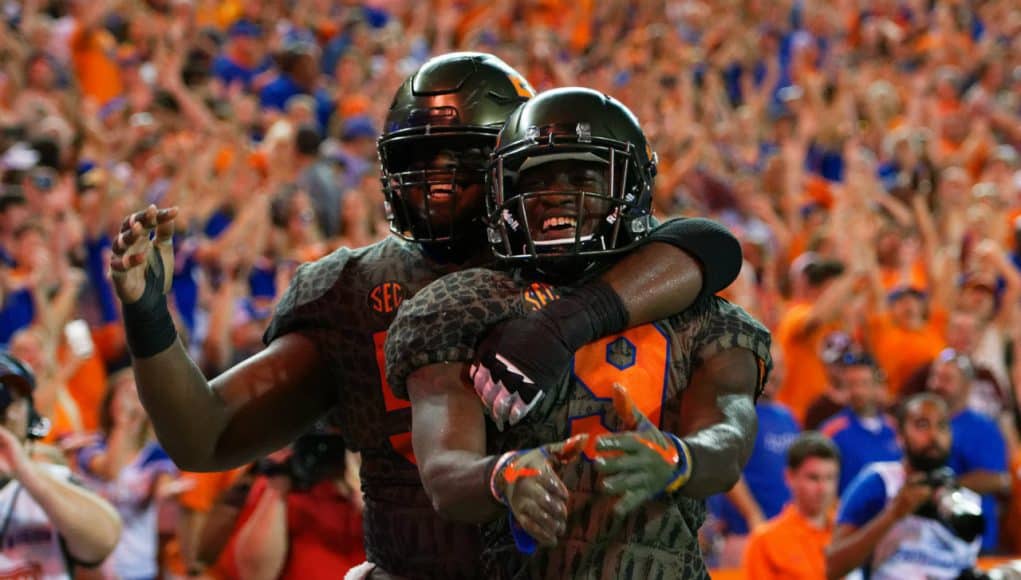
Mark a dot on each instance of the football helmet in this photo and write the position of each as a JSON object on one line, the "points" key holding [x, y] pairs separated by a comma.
{"points": [[593, 198], [439, 133]]}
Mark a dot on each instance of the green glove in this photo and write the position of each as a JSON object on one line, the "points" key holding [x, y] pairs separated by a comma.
{"points": [[525, 481], [643, 462]]}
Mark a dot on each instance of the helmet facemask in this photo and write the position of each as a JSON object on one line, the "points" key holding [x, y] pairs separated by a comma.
{"points": [[434, 185], [564, 198]]}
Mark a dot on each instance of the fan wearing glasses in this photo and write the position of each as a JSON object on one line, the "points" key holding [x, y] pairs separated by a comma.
{"points": [[978, 454]]}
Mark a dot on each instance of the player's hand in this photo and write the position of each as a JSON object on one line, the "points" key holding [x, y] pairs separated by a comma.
{"points": [[134, 253], [517, 362], [527, 483], [646, 462]]}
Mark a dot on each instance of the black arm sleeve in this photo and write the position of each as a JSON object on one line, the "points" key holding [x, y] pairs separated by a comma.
{"points": [[709, 242]]}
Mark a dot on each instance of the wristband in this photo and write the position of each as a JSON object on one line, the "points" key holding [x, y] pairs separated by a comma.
{"points": [[683, 472], [148, 326], [496, 467], [587, 313]]}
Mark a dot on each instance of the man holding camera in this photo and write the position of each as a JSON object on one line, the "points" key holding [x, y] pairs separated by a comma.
{"points": [[49, 525], [908, 519]]}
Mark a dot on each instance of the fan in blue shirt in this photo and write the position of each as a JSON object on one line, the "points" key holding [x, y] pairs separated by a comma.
{"points": [[861, 431], [979, 453]]}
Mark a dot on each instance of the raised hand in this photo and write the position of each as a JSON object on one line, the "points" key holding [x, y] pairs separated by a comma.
{"points": [[136, 251], [142, 265]]}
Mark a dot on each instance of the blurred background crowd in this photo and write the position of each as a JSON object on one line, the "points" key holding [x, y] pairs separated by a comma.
{"points": [[865, 152]]}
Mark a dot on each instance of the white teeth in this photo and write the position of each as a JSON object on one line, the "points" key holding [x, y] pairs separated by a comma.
{"points": [[556, 222]]}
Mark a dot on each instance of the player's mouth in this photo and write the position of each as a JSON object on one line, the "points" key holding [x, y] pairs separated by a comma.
{"points": [[559, 224], [441, 193], [559, 229]]}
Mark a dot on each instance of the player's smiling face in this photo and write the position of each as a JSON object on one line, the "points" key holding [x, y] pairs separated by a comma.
{"points": [[555, 214], [453, 194]]}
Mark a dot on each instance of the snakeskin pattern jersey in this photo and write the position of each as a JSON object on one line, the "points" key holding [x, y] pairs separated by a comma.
{"points": [[443, 323], [345, 302]]}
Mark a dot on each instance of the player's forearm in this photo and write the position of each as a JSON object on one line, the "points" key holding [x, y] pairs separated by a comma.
{"points": [[449, 438], [457, 484], [679, 261], [655, 282], [186, 413], [852, 551], [719, 452], [89, 525], [719, 421]]}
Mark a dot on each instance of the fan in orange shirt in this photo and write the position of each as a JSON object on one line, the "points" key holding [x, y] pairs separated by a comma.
{"points": [[821, 289], [904, 335], [91, 47], [791, 545]]}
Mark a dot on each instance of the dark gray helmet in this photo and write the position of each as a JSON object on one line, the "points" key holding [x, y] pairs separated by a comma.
{"points": [[571, 124], [456, 103]]}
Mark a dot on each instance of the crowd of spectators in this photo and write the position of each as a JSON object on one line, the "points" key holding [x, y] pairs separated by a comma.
{"points": [[865, 152]]}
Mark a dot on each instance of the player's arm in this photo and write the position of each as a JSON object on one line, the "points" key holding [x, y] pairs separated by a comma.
{"points": [[449, 438], [719, 421], [718, 425], [250, 410], [677, 263], [464, 484], [666, 273]]}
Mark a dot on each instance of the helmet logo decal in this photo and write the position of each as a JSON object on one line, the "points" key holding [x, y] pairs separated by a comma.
{"points": [[584, 131], [521, 87], [532, 133]]}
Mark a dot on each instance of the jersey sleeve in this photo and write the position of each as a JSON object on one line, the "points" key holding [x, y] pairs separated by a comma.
{"points": [[723, 326], [306, 304], [863, 499], [445, 321]]}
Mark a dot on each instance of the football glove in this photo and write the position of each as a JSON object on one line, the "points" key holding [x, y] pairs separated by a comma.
{"points": [[643, 462]]}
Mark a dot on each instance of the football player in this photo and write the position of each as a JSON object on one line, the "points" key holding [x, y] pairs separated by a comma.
{"points": [[571, 186], [325, 343]]}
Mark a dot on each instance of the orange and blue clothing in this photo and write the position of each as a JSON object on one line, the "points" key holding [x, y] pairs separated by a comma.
{"points": [[861, 442], [978, 444]]}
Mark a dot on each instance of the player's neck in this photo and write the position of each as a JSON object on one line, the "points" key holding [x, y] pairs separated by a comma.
{"points": [[461, 252]]}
